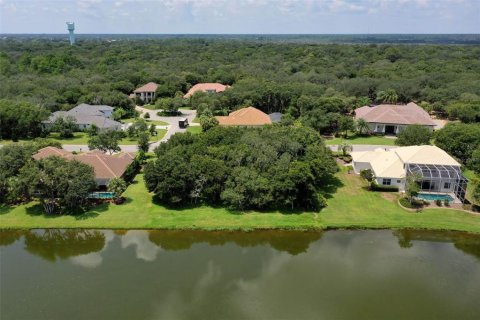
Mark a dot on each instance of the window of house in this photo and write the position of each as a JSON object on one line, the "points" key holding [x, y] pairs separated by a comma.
{"points": [[446, 185], [399, 181], [387, 182]]}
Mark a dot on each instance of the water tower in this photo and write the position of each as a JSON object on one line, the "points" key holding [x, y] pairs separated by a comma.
{"points": [[71, 28]]}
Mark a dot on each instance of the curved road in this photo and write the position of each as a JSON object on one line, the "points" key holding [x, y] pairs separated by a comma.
{"points": [[172, 128]]}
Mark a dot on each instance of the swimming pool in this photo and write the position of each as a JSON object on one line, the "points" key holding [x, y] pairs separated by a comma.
{"points": [[434, 197], [102, 195]]}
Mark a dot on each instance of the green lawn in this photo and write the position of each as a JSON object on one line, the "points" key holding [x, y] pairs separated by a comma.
{"points": [[354, 139], [148, 121], [128, 141], [149, 106], [194, 129], [81, 138], [350, 207]]}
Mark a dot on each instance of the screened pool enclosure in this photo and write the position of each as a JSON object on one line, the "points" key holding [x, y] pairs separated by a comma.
{"points": [[440, 178]]}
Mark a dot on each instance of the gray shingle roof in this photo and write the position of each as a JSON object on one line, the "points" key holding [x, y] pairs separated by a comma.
{"points": [[85, 114]]}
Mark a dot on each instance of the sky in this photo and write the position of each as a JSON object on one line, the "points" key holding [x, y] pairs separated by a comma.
{"points": [[241, 16]]}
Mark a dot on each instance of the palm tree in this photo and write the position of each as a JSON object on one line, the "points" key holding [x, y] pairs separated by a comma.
{"points": [[362, 126], [345, 147], [388, 96]]}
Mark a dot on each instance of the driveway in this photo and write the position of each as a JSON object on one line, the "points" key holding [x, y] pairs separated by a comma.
{"points": [[172, 122]]}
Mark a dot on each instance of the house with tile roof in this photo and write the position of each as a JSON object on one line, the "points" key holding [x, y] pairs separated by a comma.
{"points": [[245, 117], [146, 93], [207, 88], [439, 172], [392, 119], [106, 167], [86, 115]]}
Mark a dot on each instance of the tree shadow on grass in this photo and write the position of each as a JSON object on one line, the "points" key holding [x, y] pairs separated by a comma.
{"points": [[78, 213], [331, 186], [192, 206], [4, 209]]}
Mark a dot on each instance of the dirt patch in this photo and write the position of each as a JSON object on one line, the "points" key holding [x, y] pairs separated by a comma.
{"points": [[389, 196]]}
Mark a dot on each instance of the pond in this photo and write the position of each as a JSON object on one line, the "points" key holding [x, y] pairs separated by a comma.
{"points": [[136, 274]]}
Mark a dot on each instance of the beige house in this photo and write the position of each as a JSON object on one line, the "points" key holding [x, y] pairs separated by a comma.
{"points": [[392, 119], [146, 93], [441, 174]]}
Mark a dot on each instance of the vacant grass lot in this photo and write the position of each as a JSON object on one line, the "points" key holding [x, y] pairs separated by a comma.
{"points": [[354, 139], [350, 207], [194, 129]]}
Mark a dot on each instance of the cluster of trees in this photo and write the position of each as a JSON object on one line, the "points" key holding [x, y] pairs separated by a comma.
{"points": [[272, 167], [463, 142], [414, 135], [20, 120], [63, 183], [60, 185]]}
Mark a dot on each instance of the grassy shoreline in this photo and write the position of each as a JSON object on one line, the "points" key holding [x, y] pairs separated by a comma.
{"points": [[350, 207]]}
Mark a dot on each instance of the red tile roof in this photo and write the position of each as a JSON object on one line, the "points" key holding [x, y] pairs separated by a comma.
{"points": [[249, 116], [149, 87], [395, 114], [105, 166], [204, 87]]}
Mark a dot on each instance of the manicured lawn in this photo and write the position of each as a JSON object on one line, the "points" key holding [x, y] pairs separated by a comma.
{"points": [[81, 138], [194, 129], [354, 139], [149, 107], [350, 207], [128, 141], [78, 138], [148, 121]]}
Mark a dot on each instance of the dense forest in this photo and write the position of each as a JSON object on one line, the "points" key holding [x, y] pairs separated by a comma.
{"points": [[269, 75], [319, 83]]}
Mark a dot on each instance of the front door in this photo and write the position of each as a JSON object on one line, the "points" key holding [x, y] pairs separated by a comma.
{"points": [[389, 129]]}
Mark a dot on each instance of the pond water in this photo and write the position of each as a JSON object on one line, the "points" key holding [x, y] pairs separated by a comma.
{"points": [[89, 274]]}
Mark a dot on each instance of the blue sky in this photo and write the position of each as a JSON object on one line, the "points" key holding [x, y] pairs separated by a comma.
{"points": [[241, 16]]}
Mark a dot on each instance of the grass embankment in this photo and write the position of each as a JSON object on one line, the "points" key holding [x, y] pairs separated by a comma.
{"points": [[350, 206], [81, 138], [354, 139]]}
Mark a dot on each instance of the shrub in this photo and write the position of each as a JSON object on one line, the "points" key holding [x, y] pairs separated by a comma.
{"points": [[374, 186], [446, 203], [146, 115], [415, 204], [438, 202]]}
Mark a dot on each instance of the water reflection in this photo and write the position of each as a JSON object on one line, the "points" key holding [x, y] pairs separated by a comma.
{"points": [[293, 242], [84, 247], [229, 275], [466, 242]]}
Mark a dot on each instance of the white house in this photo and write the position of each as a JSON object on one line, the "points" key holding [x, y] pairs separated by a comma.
{"points": [[392, 119], [441, 174]]}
